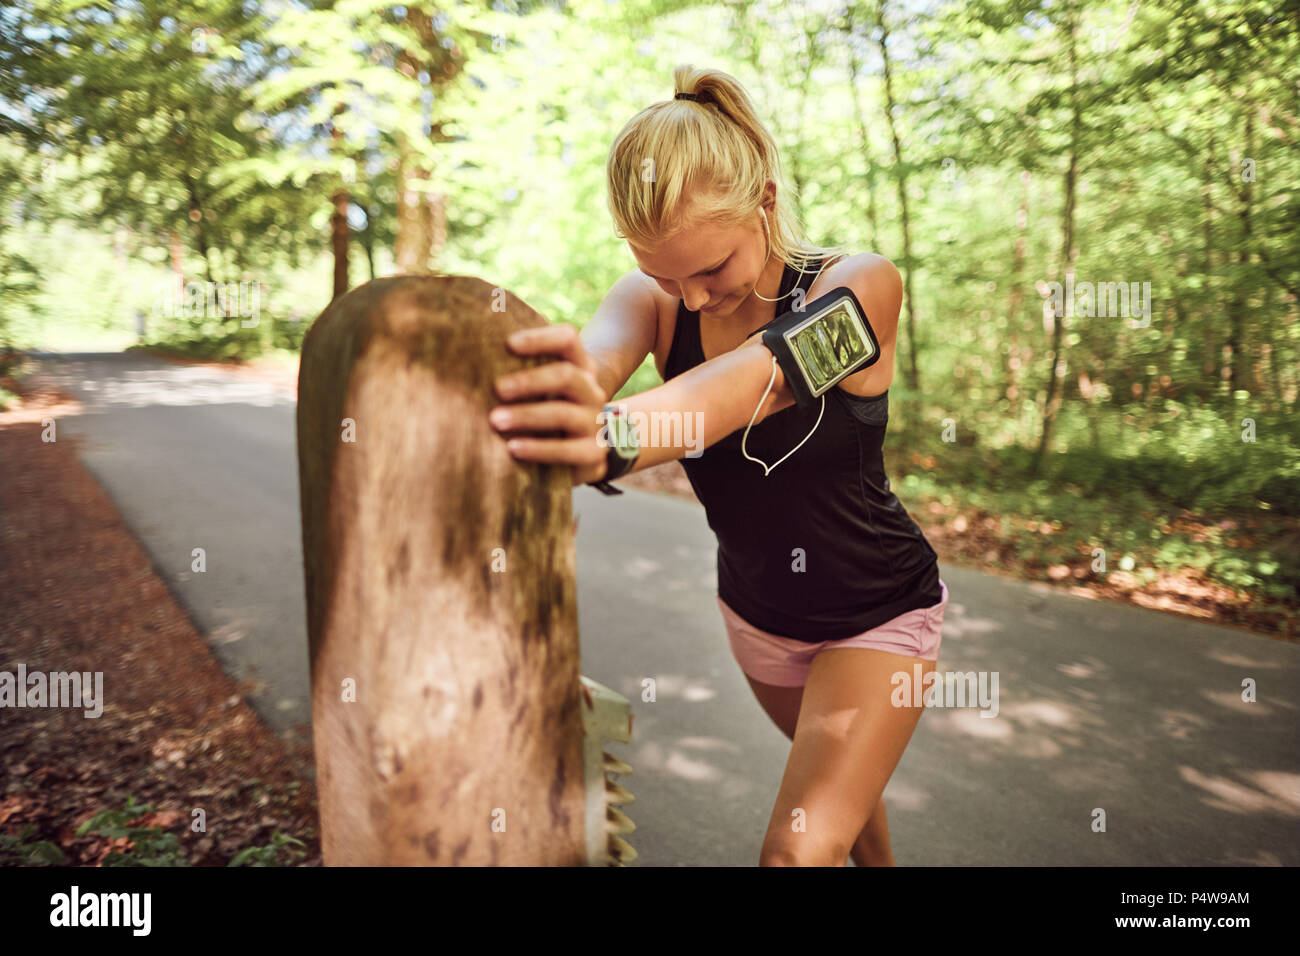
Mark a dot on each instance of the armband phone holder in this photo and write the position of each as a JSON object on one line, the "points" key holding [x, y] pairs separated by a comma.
{"points": [[821, 344]]}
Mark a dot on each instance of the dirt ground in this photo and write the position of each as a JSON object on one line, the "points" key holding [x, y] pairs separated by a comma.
{"points": [[77, 592]]}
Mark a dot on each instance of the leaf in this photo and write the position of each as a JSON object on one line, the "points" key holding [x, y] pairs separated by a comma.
{"points": [[47, 852], [243, 855]]}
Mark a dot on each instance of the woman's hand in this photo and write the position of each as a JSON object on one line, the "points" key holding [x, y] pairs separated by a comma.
{"points": [[569, 399]]}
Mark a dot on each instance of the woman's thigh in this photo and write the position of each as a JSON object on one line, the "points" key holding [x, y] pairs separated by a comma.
{"points": [[848, 739], [780, 703]]}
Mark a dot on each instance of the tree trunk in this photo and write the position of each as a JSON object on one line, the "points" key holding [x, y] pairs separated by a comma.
{"points": [[1056, 361], [366, 237], [441, 594], [808, 54], [1267, 370], [176, 254], [339, 241], [339, 219], [1016, 298], [421, 212], [913, 374], [413, 247], [368, 244], [196, 217], [1209, 361], [1241, 282], [864, 136], [437, 226]]}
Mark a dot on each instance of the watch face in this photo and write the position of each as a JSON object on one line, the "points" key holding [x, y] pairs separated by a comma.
{"points": [[623, 435], [830, 345]]}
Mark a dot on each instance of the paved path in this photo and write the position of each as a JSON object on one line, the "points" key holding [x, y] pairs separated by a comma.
{"points": [[1099, 705]]}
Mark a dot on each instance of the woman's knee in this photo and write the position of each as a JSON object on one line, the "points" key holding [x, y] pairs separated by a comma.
{"points": [[792, 850]]}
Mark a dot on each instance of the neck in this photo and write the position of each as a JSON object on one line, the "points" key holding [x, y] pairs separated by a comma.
{"points": [[756, 312]]}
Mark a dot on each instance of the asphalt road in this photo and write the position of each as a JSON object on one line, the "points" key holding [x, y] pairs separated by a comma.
{"points": [[1099, 705]]}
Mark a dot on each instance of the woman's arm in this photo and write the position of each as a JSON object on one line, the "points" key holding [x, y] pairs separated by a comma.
{"points": [[622, 331], [717, 397], [707, 403]]}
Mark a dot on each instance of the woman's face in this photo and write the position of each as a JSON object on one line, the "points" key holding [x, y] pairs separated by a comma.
{"points": [[712, 269]]}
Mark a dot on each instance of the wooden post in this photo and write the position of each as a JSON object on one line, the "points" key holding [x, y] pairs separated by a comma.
{"points": [[441, 589]]}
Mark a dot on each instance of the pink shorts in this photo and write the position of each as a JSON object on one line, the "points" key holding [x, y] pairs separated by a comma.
{"points": [[772, 659]]}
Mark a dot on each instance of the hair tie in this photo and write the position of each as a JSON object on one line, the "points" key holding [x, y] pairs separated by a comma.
{"points": [[687, 96]]}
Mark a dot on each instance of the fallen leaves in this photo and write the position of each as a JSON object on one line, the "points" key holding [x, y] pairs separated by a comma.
{"points": [[78, 593]]}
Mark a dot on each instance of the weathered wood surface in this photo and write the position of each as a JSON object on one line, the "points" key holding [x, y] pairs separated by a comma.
{"points": [[467, 716]]}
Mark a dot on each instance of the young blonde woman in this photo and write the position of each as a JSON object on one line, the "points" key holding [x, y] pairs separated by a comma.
{"points": [[826, 586]]}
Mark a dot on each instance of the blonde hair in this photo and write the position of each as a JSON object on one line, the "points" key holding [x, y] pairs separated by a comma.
{"points": [[683, 162]]}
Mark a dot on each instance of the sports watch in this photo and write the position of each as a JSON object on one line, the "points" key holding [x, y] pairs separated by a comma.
{"points": [[821, 344], [623, 450]]}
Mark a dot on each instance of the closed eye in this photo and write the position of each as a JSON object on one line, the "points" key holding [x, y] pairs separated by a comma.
{"points": [[711, 272]]}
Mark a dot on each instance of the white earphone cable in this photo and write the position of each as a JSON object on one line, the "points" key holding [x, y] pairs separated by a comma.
{"points": [[768, 470]]}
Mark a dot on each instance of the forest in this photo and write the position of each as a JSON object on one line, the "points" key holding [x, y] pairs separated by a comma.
{"points": [[1093, 206]]}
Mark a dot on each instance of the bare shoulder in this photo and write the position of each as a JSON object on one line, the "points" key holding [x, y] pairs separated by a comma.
{"points": [[870, 276], [879, 288], [666, 313]]}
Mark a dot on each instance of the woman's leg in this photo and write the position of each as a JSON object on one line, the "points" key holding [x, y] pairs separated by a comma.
{"points": [[848, 739], [872, 846], [782, 705]]}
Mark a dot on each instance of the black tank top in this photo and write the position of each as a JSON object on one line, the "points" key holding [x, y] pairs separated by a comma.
{"points": [[818, 549]]}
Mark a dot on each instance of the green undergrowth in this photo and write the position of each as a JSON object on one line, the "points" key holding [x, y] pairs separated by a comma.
{"points": [[1183, 492], [145, 845]]}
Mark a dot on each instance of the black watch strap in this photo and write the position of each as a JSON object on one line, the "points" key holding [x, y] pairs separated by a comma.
{"points": [[616, 465]]}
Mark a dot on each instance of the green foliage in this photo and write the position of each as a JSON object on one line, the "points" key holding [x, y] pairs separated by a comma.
{"points": [[20, 276], [222, 338], [1195, 458], [283, 850], [1123, 492], [22, 850], [1167, 130], [149, 846], [211, 339]]}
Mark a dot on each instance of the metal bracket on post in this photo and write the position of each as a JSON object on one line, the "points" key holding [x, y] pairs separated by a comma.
{"points": [[606, 715]]}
